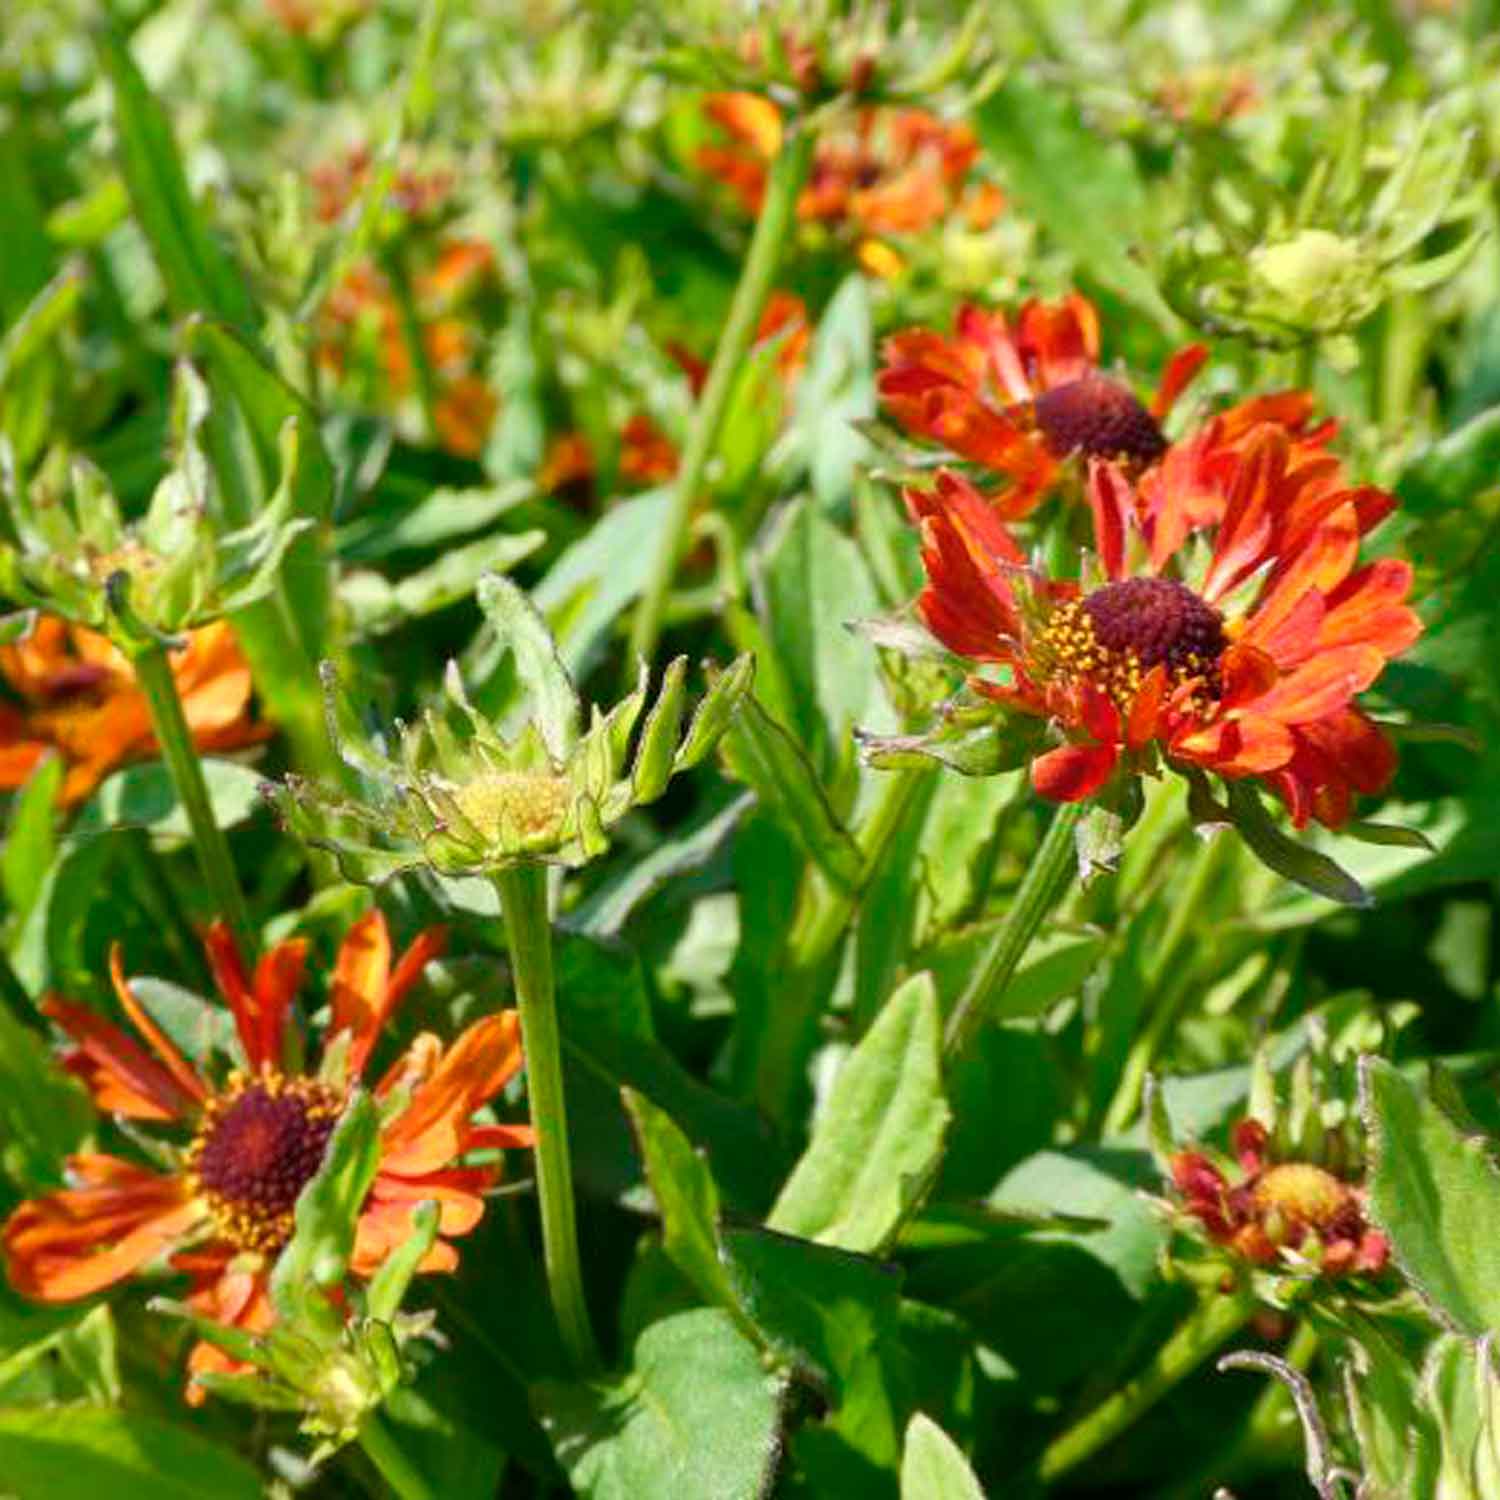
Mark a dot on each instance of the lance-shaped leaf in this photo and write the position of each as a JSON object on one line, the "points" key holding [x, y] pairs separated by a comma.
{"points": [[880, 1134], [759, 752], [933, 1466], [316, 1258], [1306, 867], [552, 700]]}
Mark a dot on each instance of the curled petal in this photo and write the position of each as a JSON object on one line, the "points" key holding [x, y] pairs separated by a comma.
{"points": [[1072, 772]]}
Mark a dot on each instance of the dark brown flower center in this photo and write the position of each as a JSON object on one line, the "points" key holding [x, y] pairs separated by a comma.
{"points": [[1100, 418], [259, 1145], [1156, 620]]}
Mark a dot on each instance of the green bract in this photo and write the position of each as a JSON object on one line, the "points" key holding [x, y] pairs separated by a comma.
{"points": [[70, 551], [458, 794]]}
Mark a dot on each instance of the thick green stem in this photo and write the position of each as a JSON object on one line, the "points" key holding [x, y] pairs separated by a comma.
{"points": [[1215, 1318], [777, 215], [528, 931], [153, 671], [1169, 982], [395, 1467], [1050, 874]]}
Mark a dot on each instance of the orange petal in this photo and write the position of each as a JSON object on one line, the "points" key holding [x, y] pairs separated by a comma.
{"points": [[430, 1132], [80, 1240], [1321, 686], [1073, 772], [121, 1075], [176, 1064], [1182, 369]]}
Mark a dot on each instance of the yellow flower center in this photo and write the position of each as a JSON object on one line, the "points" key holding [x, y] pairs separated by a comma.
{"points": [[507, 804], [258, 1145], [1303, 1195]]}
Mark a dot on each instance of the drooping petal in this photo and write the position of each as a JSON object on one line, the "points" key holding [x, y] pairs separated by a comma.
{"points": [[121, 1076], [1072, 772], [176, 1064], [1182, 369], [77, 1241]]}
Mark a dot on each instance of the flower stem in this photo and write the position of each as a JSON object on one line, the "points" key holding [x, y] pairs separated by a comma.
{"points": [[1050, 874], [1167, 981], [528, 931], [777, 215], [395, 1467], [153, 671], [1215, 1318]]}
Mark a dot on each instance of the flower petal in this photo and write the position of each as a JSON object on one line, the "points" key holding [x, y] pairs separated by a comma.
{"points": [[122, 1077], [1072, 772]]}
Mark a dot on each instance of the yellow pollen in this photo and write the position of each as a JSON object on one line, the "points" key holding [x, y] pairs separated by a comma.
{"points": [[258, 1145], [1302, 1193], [502, 804]]}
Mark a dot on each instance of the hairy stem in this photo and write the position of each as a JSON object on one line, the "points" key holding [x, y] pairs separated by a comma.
{"points": [[1049, 875], [1216, 1317], [777, 216], [153, 671], [528, 931]]}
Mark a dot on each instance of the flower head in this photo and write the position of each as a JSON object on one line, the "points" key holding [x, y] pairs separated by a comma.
{"points": [[468, 800], [1230, 629], [79, 699], [254, 1135], [1022, 400], [1272, 1207]]}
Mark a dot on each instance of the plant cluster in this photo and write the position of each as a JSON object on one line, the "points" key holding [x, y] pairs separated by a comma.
{"points": [[1015, 941]]}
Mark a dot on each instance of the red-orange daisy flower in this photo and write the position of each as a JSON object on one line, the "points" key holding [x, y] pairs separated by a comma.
{"points": [[1277, 1206], [1021, 400], [223, 1214], [1247, 666], [79, 699]]}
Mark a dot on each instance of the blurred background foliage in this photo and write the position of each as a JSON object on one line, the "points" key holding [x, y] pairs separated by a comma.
{"points": [[488, 245]]}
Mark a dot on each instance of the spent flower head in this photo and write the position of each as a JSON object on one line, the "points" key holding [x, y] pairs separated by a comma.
{"points": [[1285, 270], [457, 794], [69, 550]]}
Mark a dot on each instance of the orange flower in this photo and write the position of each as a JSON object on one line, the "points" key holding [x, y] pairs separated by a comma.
{"points": [[225, 1211], [1278, 1206], [1249, 669], [1020, 401], [79, 699], [362, 313], [894, 171]]}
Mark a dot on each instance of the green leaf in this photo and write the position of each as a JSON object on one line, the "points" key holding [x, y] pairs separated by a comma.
{"points": [[1455, 468], [377, 606], [30, 839], [1300, 864], [199, 1028], [49, 312], [880, 1134], [1083, 190], [694, 1415], [657, 751], [933, 1467], [809, 581], [1435, 1192], [86, 1347], [552, 702], [388, 1285], [835, 1317], [197, 272], [686, 1197], [84, 1452], [318, 1254], [143, 796], [765, 756]]}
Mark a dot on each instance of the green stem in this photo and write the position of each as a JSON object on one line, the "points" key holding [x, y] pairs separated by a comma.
{"points": [[1216, 1317], [1049, 875], [395, 1467], [1168, 981], [528, 931], [153, 671], [777, 215]]}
